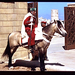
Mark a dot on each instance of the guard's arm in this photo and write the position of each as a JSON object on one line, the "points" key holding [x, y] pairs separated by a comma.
{"points": [[27, 20]]}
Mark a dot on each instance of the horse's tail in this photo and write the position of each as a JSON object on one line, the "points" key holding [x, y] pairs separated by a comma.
{"points": [[7, 50]]}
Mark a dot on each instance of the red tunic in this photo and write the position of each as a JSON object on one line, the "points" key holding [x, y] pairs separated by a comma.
{"points": [[31, 34]]}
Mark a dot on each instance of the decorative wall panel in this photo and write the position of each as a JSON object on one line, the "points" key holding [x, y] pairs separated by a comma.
{"points": [[70, 27]]}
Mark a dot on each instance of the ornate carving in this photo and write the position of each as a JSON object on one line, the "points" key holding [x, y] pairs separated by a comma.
{"points": [[70, 25]]}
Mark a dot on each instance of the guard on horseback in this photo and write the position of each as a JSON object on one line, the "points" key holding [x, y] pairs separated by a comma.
{"points": [[30, 29], [28, 26]]}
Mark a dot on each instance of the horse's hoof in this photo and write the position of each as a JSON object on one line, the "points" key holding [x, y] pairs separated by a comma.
{"points": [[32, 51], [1, 62], [46, 59], [11, 67], [32, 69], [43, 69]]}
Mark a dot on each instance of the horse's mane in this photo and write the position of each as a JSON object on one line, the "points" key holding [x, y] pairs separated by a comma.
{"points": [[46, 28]]}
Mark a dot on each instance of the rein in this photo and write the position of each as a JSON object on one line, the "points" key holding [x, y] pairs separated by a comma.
{"points": [[48, 37]]}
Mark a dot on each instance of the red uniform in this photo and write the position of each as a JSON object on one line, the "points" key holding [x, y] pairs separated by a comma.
{"points": [[31, 34]]}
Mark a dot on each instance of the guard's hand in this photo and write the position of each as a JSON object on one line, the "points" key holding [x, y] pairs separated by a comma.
{"points": [[31, 23]]}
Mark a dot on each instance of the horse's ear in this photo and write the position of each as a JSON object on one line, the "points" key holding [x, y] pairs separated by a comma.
{"points": [[54, 21]]}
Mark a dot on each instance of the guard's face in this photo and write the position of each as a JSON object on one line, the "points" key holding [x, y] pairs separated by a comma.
{"points": [[43, 24], [34, 13]]}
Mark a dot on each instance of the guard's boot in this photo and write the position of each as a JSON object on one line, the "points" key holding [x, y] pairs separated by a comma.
{"points": [[33, 48], [29, 47]]}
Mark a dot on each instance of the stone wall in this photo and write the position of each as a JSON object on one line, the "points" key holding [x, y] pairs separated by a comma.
{"points": [[11, 16]]}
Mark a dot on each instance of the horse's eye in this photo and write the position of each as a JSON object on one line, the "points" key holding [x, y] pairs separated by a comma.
{"points": [[59, 25]]}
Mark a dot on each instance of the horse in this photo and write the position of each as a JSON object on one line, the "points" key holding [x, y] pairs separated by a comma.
{"points": [[14, 41]]}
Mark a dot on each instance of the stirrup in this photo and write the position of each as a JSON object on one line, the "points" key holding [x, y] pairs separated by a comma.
{"points": [[31, 51]]}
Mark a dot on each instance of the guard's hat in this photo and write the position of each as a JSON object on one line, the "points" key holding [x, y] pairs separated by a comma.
{"points": [[43, 22], [32, 9]]}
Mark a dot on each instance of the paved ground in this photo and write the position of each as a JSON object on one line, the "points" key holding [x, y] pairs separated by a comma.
{"points": [[60, 59]]}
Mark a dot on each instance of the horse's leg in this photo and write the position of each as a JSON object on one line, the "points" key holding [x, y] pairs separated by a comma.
{"points": [[10, 56], [45, 49], [45, 55], [10, 59], [35, 55], [14, 50], [42, 65]]}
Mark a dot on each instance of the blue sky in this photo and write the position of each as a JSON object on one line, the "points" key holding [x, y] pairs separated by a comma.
{"points": [[44, 9]]}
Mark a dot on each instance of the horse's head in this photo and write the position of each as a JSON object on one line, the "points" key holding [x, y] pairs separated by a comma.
{"points": [[60, 28]]}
